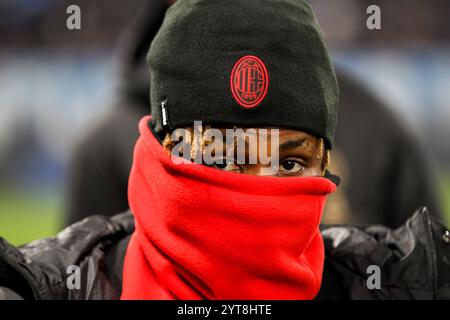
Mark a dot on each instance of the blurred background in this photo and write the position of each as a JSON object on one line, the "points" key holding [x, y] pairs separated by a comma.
{"points": [[55, 83]]}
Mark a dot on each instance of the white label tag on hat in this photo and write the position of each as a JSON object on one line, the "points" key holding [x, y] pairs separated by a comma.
{"points": [[164, 112]]}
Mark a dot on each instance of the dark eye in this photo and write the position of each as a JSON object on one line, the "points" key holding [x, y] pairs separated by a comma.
{"points": [[290, 166], [221, 166], [227, 165]]}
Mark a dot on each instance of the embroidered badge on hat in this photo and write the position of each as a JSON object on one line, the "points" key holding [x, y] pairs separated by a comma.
{"points": [[249, 81]]}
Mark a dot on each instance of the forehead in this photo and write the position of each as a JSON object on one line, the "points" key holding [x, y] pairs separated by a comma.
{"points": [[288, 133], [284, 134]]}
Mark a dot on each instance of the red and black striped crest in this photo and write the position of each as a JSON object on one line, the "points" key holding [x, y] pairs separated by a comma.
{"points": [[249, 81]]}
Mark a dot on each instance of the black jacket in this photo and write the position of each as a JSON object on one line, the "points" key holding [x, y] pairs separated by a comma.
{"points": [[414, 261]]}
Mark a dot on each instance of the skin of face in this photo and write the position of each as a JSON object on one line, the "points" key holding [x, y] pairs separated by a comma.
{"points": [[300, 155]]}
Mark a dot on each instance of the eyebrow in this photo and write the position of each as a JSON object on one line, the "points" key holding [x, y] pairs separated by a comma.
{"points": [[291, 144]]}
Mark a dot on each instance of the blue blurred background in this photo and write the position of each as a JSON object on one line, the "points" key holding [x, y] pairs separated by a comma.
{"points": [[54, 83]]}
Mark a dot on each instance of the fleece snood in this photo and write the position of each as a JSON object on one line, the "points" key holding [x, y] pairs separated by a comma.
{"points": [[203, 233]]}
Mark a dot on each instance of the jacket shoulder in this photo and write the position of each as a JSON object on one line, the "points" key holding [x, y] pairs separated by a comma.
{"points": [[42, 268], [411, 262]]}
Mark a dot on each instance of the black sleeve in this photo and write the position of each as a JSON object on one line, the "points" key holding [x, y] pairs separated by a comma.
{"points": [[413, 261]]}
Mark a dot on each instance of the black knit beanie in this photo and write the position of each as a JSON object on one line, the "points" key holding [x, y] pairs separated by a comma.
{"points": [[246, 63]]}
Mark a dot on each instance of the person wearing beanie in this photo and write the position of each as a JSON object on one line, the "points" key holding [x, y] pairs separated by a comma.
{"points": [[100, 163], [229, 180]]}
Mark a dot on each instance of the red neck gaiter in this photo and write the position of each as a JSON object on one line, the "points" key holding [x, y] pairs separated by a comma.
{"points": [[203, 233]]}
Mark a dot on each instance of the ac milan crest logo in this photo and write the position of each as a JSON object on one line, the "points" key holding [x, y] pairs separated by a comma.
{"points": [[249, 81]]}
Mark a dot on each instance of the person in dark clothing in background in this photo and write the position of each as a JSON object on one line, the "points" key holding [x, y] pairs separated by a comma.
{"points": [[394, 162], [101, 161]]}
